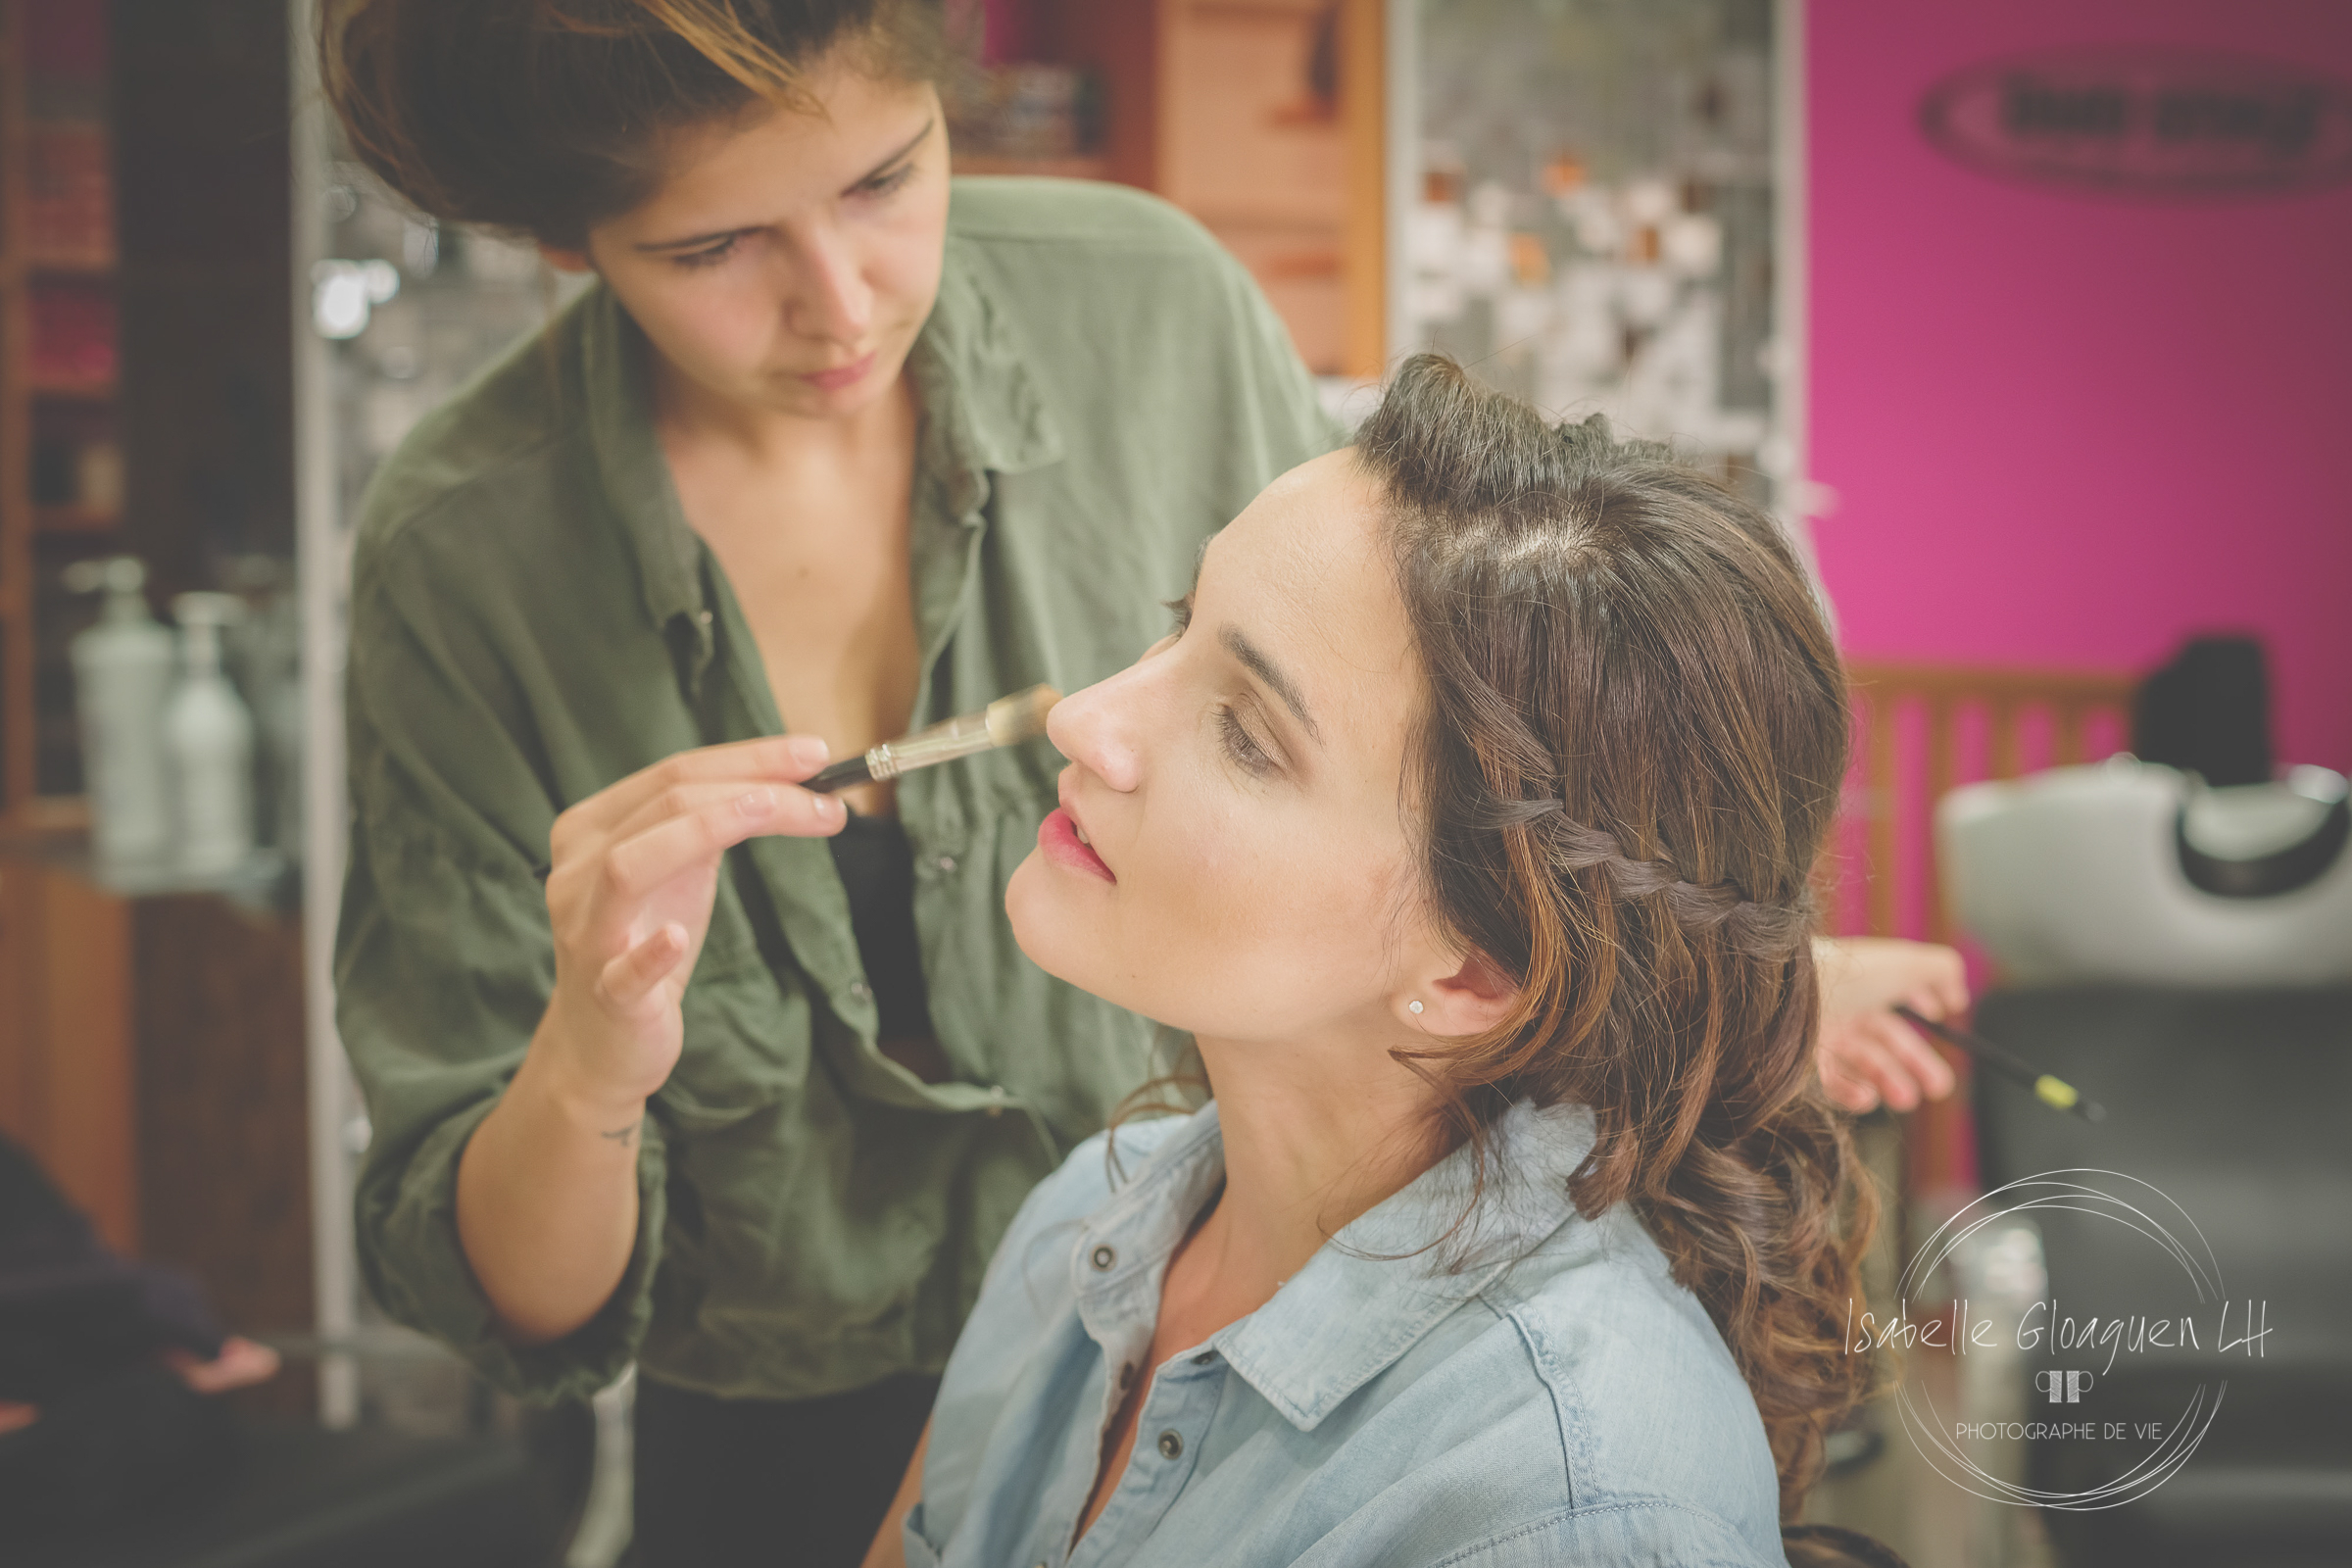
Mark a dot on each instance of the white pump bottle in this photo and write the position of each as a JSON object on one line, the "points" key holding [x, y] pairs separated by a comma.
{"points": [[121, 675], [208, 733]]}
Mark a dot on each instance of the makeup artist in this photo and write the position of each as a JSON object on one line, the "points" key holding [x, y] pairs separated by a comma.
{"points": [[828, 445]]}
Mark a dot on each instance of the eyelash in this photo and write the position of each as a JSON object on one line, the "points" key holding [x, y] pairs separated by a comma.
{"points": [[1238, 745], [708, 257], [885, 184], [881, 185]]}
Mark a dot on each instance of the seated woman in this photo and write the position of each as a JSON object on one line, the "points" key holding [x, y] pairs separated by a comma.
{"points": [[1466, 823]]}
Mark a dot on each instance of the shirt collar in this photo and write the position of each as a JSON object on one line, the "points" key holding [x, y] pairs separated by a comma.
{"points": [[631, 466], [1372, 1291], [981, 403]]}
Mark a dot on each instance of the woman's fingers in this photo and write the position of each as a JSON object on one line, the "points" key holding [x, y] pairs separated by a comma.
{"points": [[696, 838], [770, 760], [797, 811], [628, 979], [1845, 1089], [1885, 1052], [1920, 1062]]}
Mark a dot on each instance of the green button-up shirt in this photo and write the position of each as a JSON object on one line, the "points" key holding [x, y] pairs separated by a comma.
{"points": [[532, 619]]}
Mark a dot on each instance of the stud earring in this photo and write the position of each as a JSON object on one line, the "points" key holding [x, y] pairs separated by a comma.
{"points": [[1412, 1006]]}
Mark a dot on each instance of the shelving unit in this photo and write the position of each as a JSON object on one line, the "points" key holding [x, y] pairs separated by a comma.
{"points": [[1264, 119], [60, 448], [151, 1021]]}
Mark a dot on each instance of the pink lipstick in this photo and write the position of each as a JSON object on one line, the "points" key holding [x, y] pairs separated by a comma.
{"points": [[1057, 839]]}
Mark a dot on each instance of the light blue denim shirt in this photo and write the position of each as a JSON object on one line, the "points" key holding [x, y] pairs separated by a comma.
{"points": [[1557, 1400]]}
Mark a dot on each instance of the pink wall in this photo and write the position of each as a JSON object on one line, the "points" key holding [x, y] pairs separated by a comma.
{"points": [[2067, 431]]}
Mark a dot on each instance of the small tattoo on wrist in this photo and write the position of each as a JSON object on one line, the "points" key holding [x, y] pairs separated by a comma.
{"points": [[625, 1136]]}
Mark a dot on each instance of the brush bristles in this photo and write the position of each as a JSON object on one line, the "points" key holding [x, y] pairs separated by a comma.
{"points": [[1020, 717]]}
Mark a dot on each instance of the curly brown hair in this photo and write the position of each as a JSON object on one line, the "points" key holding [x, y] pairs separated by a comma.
{"points": [[1632, 739], [548, 117]]}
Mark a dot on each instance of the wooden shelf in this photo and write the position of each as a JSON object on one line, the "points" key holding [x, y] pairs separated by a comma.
{"points": [[43, 814], [61, 390], [86, 264], [75, 521], [1049, 168]]}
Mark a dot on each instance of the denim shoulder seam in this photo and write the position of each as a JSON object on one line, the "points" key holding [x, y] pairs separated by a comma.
{"points": [[1545, 1375]]}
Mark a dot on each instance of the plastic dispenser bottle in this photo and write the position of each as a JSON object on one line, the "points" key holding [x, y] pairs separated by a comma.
{"points": [[208, 733], [122, 677]]}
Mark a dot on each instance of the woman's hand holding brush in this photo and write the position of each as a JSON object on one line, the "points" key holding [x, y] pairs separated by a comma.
{"points": [[546, 1188]]}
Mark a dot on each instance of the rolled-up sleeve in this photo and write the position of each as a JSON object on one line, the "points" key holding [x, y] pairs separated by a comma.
{"points": [[443, 966]]}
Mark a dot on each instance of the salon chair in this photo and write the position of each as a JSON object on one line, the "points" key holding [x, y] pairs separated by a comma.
{"points": [[2237, 1105]]}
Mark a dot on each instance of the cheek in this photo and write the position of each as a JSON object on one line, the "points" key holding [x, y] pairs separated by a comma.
{"points": [[708, 325], [909, 255], [1229, 918]]}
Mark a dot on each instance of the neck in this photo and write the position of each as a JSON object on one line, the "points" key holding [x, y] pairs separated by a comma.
{"points": [[1307, 1149]]}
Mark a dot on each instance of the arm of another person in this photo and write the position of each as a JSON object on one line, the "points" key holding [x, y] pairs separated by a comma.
{"points": [[889, 1549], [505, 1033], [546, 1188], [1868, 1054]]}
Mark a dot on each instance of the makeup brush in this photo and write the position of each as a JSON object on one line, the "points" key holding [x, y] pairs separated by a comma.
{"points": [[2055, 1093], [1007, 722]]}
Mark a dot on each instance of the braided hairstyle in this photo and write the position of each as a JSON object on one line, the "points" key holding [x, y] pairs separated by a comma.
{"points": [[1633, 740]]}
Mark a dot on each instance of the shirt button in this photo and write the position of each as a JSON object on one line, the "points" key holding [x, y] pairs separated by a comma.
{"points": [[861, 991], [946, 862], [1171, 1446], [702, 618], [1102, 1257], [1204, 1357]]}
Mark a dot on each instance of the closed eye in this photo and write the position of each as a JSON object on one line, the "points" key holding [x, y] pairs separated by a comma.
{"points": [[1239, 745], [885, 184], [709, 254]]}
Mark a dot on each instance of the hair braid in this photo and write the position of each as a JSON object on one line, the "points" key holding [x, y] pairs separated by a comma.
{"points": [[1629, 754]]}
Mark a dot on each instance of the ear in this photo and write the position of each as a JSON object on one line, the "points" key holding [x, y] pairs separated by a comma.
{"points": [[563, 261], [1467, 1000]]}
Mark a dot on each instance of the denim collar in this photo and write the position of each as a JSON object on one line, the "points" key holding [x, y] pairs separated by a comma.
{"points": [[1371, 1293]]}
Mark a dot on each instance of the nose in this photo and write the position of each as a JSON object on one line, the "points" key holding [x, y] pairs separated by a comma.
{"points": [[831, 299], [1096, 728]]}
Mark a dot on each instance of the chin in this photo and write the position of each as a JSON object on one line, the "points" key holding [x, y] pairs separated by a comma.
{"points": [[1029, 905], [1058, 937]]}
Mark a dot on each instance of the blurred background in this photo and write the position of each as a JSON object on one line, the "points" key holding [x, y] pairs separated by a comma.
{"points": [[2029, 320]]}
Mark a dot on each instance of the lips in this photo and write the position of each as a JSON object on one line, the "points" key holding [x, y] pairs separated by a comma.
{"points": [[1057, 839], [849, 374]]}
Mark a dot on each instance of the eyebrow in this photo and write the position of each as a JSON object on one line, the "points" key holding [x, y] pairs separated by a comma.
{"points": [[697, 241], [1255, 660]]}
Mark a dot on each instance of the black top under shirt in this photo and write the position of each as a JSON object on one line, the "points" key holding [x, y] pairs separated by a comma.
{"points": [[877, 870]]}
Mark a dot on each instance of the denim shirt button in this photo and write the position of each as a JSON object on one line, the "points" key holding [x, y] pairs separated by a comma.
{"points": [[1204, 1357], [1102, 1257], [1171, 1446]]}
